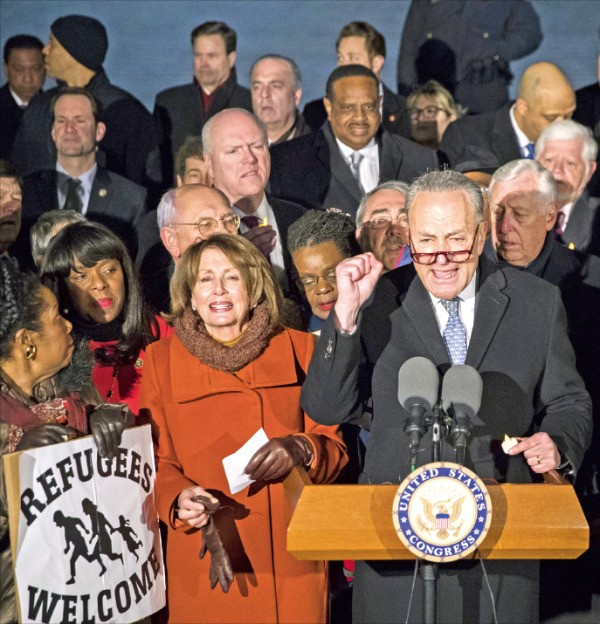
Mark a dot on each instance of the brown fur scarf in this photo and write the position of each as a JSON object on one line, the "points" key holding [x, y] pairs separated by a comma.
{"points": [[191, 331]]}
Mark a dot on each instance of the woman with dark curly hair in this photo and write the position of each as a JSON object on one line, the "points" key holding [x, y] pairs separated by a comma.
{"points": [[318, 241], [90, 271], [44, 395]]}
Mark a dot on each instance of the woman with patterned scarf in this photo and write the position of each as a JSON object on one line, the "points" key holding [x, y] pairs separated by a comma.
{"points": [[46, 395]]}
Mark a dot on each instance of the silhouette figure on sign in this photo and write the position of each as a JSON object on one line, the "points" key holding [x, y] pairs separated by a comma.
{"points": [[129, 536], [74, 538], [100, 530]]}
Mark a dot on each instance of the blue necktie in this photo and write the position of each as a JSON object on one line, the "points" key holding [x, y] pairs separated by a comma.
{"points": [[455, 335], [529, 151]]}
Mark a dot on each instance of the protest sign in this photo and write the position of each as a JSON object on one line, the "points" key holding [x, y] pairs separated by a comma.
{"points": [[84, 531]]}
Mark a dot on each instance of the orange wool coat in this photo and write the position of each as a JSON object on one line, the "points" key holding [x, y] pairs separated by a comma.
{"points": [[201, 415]]}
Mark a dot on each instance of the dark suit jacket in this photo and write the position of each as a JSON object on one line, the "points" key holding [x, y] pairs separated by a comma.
{"points": [[588, 114], [10, 120], [577, 275], [492, 132], [179, 113], [527, 386], [393, 119], [583, 227], [311, 170], [155, 264], [116, 202], [129, 147]]}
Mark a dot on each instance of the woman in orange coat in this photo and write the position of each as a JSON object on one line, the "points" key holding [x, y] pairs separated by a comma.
{"points": [[230, 369]]}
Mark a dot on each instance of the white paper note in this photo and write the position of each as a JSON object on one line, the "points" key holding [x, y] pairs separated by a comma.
{"points": [[235, 463]]}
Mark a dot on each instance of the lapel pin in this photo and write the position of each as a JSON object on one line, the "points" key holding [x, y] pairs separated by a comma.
{"points": [[103, 192]]}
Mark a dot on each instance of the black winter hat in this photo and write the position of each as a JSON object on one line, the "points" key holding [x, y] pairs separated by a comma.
{"points": [[84, 38]]}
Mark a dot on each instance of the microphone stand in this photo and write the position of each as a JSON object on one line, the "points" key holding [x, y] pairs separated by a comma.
{"points": [[428, 570]]}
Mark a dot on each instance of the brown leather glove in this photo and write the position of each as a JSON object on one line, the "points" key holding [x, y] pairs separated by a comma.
{"points": [[44, 435], [277, 457], [220, 566]]}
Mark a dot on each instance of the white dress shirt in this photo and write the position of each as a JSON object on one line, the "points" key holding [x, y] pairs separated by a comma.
{"points": [[369, 165], [522, 138], [276, 256], [466, 308], [21, 103], [84, 190]]}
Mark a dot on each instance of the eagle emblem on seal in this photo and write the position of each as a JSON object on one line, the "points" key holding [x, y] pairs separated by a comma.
{"points": [[440, 517]]}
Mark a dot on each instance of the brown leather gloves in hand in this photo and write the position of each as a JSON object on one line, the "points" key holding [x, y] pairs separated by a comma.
{"points": [[220, 567], [278, 456]]}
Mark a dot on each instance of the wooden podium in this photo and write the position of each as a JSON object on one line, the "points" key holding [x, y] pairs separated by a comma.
{"points": [[334, 522]]}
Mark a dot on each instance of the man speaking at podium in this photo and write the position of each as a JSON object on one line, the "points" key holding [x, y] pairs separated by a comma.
{"points": [[459, 309]]}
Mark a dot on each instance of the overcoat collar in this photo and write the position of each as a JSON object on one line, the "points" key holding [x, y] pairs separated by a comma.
{"points": [[191, 379]]}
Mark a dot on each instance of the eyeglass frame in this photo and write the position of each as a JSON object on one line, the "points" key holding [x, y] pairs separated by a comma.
{"points": [[414, 113], [324, 276], [446, 254], [369, 223], [236, 221]]}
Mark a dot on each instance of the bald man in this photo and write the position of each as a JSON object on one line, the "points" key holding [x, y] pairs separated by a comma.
{"points": [[185, 215], [510, 133]]}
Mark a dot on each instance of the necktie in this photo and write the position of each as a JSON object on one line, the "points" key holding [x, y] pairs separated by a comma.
{"points": [[355, 160], [559, 226], [455, 335], [73, 201], [250, 222], [529, 151]]}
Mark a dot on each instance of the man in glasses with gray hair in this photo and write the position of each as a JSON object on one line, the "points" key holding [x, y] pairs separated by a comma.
{"points": [[185, 215], [452, 306]]}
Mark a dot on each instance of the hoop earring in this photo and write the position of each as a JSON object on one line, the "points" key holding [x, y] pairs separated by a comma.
{"points": [[30, 352]]}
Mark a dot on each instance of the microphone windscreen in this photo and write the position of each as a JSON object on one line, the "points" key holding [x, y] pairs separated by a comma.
{"points": [[462, 386], [418, 383]]}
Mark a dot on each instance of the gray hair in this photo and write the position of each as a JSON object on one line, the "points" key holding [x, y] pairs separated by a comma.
{"points": [[165, 213], [569, 130], [390, 185], [279, 57], [321, 226], [42, 231], [447, 182], [544, 180], [207, 129]]}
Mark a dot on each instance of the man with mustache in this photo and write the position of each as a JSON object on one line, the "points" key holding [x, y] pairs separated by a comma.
{"points": [[350, 154], [382, 224], [10, 205], [568, 150]]}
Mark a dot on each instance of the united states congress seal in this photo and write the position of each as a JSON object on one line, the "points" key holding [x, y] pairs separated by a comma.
{"points": [[442, 512]]}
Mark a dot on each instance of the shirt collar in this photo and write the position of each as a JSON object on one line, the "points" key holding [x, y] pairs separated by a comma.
{"points": [[466, 294], [87, 178], [369, 150], [522, 138], [17, 99], [261, 212]]}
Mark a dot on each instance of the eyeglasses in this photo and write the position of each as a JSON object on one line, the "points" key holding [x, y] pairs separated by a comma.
{"points": [[207, 226], [308, 282], [451, 256], [379, 223], [429, 112]]}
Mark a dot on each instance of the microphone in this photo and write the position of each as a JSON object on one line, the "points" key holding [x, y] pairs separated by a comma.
{"points": [[461, 393], [418, 385]]}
